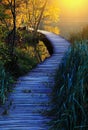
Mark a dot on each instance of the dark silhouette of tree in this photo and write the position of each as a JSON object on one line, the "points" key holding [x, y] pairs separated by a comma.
{"points": [[12, 34]]}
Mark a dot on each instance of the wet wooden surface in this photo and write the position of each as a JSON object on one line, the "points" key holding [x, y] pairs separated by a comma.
{"points": [[31, 95]]}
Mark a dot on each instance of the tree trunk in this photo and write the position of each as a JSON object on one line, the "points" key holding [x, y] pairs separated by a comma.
{"points": [[14, 26], [35, 32]]}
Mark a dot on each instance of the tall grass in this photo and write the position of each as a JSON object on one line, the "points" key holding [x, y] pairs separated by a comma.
{"points": [[5, 82], [79, 36], [70, 93], [9, 70]]}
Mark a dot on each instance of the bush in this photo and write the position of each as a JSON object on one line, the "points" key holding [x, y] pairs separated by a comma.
{"points": [[70, 93], [25, 61]]}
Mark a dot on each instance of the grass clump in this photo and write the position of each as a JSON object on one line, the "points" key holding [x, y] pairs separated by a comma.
{"points": [[70, 93], [82, 35], [5, 83]]}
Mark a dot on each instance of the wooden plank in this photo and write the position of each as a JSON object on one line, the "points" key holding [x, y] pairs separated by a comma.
{"points": [[32, 93]]}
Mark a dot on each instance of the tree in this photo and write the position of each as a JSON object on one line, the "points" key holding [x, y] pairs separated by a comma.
{"points": [[30, 11], [3, 16], [35, 20], [4, 28], [12, 6], [36, 14], [8, 11], [50, 18], [33, 13]]}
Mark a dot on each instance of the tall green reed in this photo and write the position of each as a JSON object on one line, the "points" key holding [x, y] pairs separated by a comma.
{"points": [[5, 81], [70, 93]]}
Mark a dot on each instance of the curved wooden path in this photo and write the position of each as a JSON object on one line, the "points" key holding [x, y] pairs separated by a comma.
{"points": [[31, 96]]}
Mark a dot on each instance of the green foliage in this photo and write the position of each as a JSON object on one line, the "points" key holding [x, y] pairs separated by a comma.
{"points": [[70, 93], [3, 15], [3, 22], [14, 67], [5, 83], [3, 33], [4, 53], [27, 37], [25, 61]]}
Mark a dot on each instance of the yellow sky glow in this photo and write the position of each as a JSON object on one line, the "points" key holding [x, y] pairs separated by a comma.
{"points": [[73, 3], [73, 16], [74, 8]]}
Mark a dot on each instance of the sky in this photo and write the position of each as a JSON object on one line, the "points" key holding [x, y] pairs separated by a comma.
{"points": [[73, 14], [74, 8]]}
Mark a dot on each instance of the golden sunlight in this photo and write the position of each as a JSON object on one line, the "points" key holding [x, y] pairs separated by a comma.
{"points": [[73, 3], [73, 8], [73, 15]]}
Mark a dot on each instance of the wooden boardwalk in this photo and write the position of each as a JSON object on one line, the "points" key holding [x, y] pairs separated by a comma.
{"points": [[31, 96]]}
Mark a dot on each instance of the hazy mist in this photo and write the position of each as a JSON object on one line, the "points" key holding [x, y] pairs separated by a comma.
{"points": [[73, 16]]}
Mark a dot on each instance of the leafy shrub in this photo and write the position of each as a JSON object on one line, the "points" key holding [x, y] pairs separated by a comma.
{"points": [[25, 61], [70, 93]]}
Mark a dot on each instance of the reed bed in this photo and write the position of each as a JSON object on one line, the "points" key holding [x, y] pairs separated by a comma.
{"points": [[70, 93], [5, 84]]}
